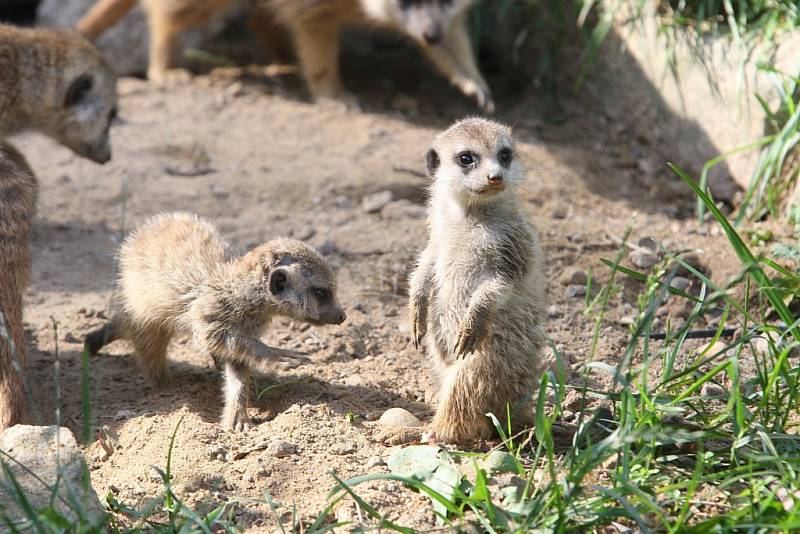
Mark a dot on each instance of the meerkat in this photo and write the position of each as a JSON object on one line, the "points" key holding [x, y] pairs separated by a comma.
{"points": [[477, 293], [439, 26], [18, 190], [178, 276], [56, 82]]}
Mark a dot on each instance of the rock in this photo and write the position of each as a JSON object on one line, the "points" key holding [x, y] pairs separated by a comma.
{"points": [[281, 449], [403, 210], [327, 248], [48, 452], [711, 389], [575, 291], [627, 320], [559, 212], [375, 202], [643, 258], [553, 311], [680, 283], [124, 414], [69, 337], [398, 417], [574, 276], [375, 461], [343, 448]]}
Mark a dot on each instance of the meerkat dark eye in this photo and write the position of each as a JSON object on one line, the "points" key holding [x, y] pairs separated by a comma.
{"points": [[78, 91], [466, 159], [321, 294], [505, 156]]}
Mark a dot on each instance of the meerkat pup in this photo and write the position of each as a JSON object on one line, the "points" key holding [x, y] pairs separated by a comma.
{"points": [[56, 82], [177, 276], [477, 294], [439, 26], [17, 203]]}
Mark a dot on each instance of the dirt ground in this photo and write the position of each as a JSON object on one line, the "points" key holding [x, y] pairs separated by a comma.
{"points": [[276, 164]]}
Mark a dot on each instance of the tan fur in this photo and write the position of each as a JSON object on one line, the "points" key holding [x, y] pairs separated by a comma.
{"points": [[316, 26], [478, 291], [17, 204], [54, 81], [177, 276]]}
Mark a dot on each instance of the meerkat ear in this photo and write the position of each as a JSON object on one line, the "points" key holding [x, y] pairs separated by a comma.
{"points": [[432, 161], [278, 281], [78, 90]]}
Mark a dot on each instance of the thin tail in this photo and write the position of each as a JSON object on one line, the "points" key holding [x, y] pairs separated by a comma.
{"points": [[102, 16], [101, 337]]}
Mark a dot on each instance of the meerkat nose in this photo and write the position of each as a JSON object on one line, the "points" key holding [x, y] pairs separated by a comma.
{"points": [[495, 179], [432, 36]]}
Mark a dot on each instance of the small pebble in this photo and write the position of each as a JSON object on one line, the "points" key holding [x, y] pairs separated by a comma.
{"points": [[553, 311], [375, 202], [124, 414], [627, 320], [644, 259], [281, 449], [399, 417], [575, 291], [712, 390], [574, 276], [680, 283], [375, 461]]}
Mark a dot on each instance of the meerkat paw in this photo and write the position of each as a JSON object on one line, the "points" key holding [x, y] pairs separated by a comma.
{"points": [[419, 323], [169, 79], [289, 359], [237, 422], [478, 92], [341, 101], [468, 340], [400, 435]]}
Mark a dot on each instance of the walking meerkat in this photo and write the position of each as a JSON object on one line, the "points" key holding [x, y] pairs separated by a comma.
{"points": [[17, 204], [439, 26], [177, 276], [56, 82], [477, 293]]}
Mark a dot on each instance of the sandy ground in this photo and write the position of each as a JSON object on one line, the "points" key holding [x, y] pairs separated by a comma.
{"points": [[279, 165]]}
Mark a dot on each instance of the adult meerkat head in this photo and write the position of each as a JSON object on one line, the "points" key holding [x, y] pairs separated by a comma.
{"points": [[86, 99], [475, 159], [300, 281], [427, 21]]}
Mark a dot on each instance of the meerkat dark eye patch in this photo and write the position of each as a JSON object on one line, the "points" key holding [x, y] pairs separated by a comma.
{"points": [[78, 90], [322, 294], [432, 161], [466, 159], [278, 281], [505, 156]]}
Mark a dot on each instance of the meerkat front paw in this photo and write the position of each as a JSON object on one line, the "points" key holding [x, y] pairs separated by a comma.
{"points": [[468, 340], [419, 320], [481, 94]]}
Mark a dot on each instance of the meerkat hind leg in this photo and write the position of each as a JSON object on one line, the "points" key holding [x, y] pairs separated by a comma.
{"points": [[151, 351]]}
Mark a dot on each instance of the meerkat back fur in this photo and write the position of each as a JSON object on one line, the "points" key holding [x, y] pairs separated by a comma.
{"points": [[56, 82], [177, 276], [18, 191], [440, 27], [477, 293]]}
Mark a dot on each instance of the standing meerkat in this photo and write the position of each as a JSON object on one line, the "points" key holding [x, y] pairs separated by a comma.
{"points": [[477, 294], [177, 276], [56, 82], [439, 26], [17, 203]]}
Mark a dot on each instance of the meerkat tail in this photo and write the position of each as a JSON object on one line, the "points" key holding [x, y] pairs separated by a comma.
{"points": [[102, 16], [97, 339]]}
